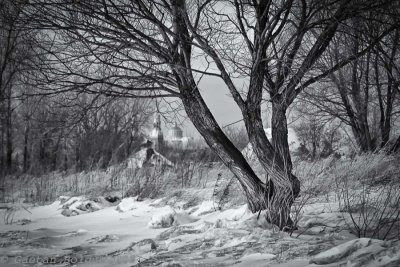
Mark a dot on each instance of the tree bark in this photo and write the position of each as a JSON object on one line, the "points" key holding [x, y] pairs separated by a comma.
{"points": [[284, 187], [280, 135], [203, 120], [284, 195]]}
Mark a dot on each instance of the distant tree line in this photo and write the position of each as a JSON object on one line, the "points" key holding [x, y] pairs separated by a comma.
{"points": [[41, 131]]}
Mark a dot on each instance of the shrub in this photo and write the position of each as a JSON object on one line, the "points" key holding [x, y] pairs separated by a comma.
{"points": [[369, 195]]}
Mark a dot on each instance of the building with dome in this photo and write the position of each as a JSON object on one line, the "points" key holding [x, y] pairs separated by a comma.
{"points": [[174, 138], [175, 134]]}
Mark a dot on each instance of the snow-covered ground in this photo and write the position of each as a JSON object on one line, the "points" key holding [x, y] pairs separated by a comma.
{"points": [[150, 233]]}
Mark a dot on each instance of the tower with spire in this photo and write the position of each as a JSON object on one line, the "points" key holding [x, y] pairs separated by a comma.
{"points": [[156, 134]]}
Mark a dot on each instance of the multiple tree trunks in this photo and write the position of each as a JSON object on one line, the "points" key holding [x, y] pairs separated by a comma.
{"points": [[205, 123], [276, 196]]}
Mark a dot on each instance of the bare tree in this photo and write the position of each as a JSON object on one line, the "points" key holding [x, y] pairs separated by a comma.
{"points": [[310, 133], [66, 131], [148, 49], [387, 80], [108, 131], [362, 94], [14, 59]]}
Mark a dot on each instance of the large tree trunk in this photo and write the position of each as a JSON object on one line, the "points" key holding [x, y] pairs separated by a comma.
{"points": [[280, 135], [203, 120], [286, 185]]}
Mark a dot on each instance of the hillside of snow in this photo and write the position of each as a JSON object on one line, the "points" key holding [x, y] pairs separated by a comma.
{"points": [[195, 215], [149, 233]]}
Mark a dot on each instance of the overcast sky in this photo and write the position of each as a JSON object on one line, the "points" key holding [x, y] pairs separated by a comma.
{"points": [[219, 101], [221, 104]]}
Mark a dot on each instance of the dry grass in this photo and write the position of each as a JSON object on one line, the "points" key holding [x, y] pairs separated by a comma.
{"points": [[368, 192], [352, 183], [147, 182]]}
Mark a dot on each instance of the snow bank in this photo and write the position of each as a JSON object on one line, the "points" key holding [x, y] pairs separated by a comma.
{"points": [[360, 252], [80, 205], [255, 259], [74, 233], [169, 217], [339, 252], [163, 219], [241, 213], [231, 237], [127, 204], [183, 218], [203, 208]]}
